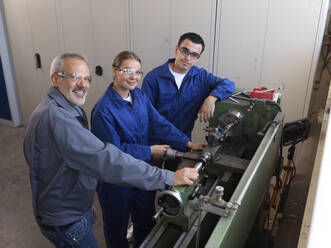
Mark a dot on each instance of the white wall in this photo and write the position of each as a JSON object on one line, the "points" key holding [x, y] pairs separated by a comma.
{"points": [[254, 43], [269, 43]]}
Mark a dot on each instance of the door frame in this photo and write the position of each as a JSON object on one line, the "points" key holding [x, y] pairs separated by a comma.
{"points": [[8, 74]]}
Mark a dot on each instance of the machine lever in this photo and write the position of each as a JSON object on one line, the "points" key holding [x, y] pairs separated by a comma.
{"points": [[203, 180], [159, 212], [201, 183], [195, 191], [172, 154]]}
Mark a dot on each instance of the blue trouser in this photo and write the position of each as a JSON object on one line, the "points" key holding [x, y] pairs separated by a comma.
{"points": [[79, 234], [117, 203]]}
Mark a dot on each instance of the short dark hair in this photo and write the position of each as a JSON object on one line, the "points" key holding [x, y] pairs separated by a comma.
{"points": [[195, 38], [124, 55]]}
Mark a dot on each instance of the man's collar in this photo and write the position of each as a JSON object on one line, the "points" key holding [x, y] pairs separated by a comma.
{"points": [[60, 99], [165, 72]]}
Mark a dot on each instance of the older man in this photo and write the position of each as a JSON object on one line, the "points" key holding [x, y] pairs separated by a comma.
{"points": [[66, 159]]}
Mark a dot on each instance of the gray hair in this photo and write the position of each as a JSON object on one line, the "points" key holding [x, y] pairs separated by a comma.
{"points": [[58, 62]]}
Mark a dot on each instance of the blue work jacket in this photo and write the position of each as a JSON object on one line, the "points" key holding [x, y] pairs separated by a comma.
{"points": [[181, 106], [129, 126]]}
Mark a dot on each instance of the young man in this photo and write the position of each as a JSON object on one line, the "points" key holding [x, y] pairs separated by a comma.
{"points": [[66, 159], [179, 90]]}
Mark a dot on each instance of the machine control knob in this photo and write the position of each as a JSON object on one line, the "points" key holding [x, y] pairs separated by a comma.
{"points": [[219, 191]]}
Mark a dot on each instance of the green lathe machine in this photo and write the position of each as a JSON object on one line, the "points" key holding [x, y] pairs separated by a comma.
{"points": [[221, 208]]}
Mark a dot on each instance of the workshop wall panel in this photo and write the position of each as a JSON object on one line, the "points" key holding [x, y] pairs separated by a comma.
{"points": [[151, 32], [45, 41], [270, 43], [111, 35], [185, 16], [99, 30], [290, 41], [78, 36], [240, 40], [32, 30]]}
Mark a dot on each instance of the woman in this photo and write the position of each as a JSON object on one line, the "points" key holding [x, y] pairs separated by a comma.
{"points": [[125, 117]]}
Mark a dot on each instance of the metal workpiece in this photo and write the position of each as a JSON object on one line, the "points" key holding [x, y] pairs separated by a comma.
{"points": [[203, 161], [227, 123], [199, 166]]}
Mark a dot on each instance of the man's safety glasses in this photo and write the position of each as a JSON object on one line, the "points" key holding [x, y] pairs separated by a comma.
{"points": [[76, 77], [186, 51]]}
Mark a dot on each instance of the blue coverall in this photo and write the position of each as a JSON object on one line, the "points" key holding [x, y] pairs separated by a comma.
{"points": [[181, 106], [129, 127]]}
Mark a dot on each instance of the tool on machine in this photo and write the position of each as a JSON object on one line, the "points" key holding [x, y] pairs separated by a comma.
{"points": [[225, 128], [261, 93], [267, 96]]}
